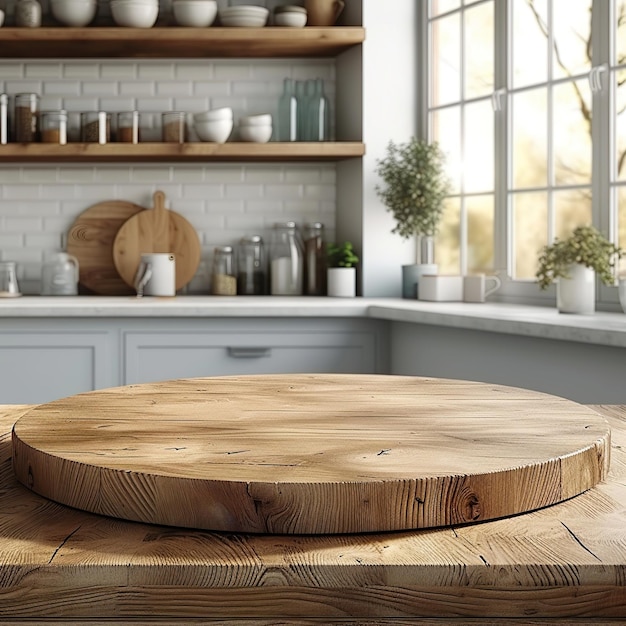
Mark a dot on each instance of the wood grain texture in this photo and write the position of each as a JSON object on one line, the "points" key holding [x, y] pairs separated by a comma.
{"points": [[564, 564], [311, 454], [157, 230], [90, 240]]}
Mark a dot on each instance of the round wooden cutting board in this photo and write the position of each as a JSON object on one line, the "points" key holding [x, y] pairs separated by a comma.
{"points": [[306, 453], [157, 230], [90, 240]]}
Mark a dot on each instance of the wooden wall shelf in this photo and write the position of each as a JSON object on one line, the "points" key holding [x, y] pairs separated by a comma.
{"points": [[176, 42], [159, 152]]}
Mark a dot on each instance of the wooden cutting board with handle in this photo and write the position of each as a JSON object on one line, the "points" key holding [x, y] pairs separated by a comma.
{"points": [[157, 230], [90, 240]]}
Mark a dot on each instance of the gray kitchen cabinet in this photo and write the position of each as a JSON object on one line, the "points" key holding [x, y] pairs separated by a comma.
{"points": [[255, 347]]}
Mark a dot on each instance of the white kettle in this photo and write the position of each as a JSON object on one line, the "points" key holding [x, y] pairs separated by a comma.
{"points": [[59, 275]]}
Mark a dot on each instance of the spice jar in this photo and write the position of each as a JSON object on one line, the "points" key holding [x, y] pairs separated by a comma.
{"points": [[223, 281], [314, 260], [128, 127], [54, 126], [4, 118], [26, 117], [251, 271], [28, 14], [173, 127], [286, 260], [95, 127]]}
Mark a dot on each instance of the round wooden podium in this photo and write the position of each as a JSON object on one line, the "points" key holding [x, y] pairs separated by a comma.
{"points": [[309, 453]]}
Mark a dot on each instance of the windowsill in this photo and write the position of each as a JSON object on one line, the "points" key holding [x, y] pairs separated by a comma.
{"points": [[534, 321]]}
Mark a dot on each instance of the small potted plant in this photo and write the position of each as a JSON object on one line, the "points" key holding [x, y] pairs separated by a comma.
{"points": [[341, 277], [573, 264], [414, 190]]}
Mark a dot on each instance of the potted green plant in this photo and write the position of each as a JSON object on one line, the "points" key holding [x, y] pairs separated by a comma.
{"points": [[341, 276], [573, 264], [414, 188]]}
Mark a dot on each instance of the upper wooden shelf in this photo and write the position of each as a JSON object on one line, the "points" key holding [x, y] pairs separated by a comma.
{"points": [[198, 152], [177, 42]]}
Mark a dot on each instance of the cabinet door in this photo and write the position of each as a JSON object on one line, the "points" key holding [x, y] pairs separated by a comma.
{"points": [[150, 357], [37, 367]]}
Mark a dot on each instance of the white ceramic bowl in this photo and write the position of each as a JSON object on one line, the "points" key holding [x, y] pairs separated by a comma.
{"points": [[244, 16], [264, 119], [225, 113], [214, 130], [74, 12], [134, 13], [198, 13], [295, 16], [255, 134]]}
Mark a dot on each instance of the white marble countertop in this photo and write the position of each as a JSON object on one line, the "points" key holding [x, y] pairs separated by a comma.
{"points": [[601, 328]]}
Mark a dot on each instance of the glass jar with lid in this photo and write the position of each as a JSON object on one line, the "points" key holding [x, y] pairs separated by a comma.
{"points": [[314, 260], [54, 126], [26, 117], [286, 256], [95, 127], [251, 269], [4, 118], [128, 127], [223, 280]]}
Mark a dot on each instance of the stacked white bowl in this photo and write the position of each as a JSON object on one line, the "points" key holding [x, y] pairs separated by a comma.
{"points": [[214, 125], [197, 13], [135, 13], [248, 16], [290, 15], [255, 128], [74, 12]]}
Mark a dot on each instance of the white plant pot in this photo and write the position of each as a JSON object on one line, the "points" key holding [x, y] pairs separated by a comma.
{"points": [[341, 282], [577, 294]]}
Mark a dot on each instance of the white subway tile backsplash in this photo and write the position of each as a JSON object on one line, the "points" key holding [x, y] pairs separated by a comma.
{"points": [[44, 71], [118, 71], [100, 88], [81, 70]]}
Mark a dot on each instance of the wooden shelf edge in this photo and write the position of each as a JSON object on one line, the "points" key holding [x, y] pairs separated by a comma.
{"points": [[188, 152], [176, 42]]}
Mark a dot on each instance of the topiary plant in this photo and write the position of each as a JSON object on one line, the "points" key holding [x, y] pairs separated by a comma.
{"points": [[586, 246], [415, 186], [341, 255]]}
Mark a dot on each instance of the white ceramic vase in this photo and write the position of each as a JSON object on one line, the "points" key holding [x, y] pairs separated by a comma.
{"points": [[577, 294], [341, 282]]}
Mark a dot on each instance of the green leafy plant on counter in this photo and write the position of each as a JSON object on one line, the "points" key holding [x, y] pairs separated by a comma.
{"points": [[415, 186], [341, 255], [586, 246]]}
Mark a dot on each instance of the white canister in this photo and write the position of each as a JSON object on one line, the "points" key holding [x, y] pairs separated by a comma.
{"points": [[156, 275]]}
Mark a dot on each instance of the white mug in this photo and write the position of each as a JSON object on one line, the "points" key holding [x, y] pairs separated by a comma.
{"points": [[156, 275], [475, 287]]}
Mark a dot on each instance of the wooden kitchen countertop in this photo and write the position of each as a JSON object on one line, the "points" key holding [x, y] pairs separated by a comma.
{"points": [[565, 561]]}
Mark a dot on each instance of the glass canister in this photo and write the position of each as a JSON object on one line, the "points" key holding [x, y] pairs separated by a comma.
{"points": [[59, 275], [251, 269], [128, 127], [4, 118], [286, 255], [314, 260], [28, 14], [95, 127], [174, 125], [54, 127], [26, 118], [8, 280], [223, 280]]}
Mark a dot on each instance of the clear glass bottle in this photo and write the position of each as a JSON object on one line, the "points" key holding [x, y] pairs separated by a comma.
{"points": [[288, 112], [4, 118], [318, 115], [26, 118], [54, 127], [314, 260], [302, 110], [223, 280], [286, 256], [28, 14], [251, 268]]}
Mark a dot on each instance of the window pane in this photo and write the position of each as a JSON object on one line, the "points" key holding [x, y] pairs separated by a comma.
{"points": [[571, 53], [448, 245], [443, 6], [572, 133], [530, 233], [446, 129], [479, 64], [446, 55], [478, 160], [621, 213], [479, 211], [620, 125], [620, 39], [530, 43], [530, 139], [572, 208]]}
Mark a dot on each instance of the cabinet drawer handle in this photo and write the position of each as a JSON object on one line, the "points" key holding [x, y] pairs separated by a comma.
{"points": [[248, 352]]}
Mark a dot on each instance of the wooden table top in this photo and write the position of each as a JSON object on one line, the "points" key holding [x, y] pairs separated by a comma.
{"points": [[311, 453], [566, 561]]}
